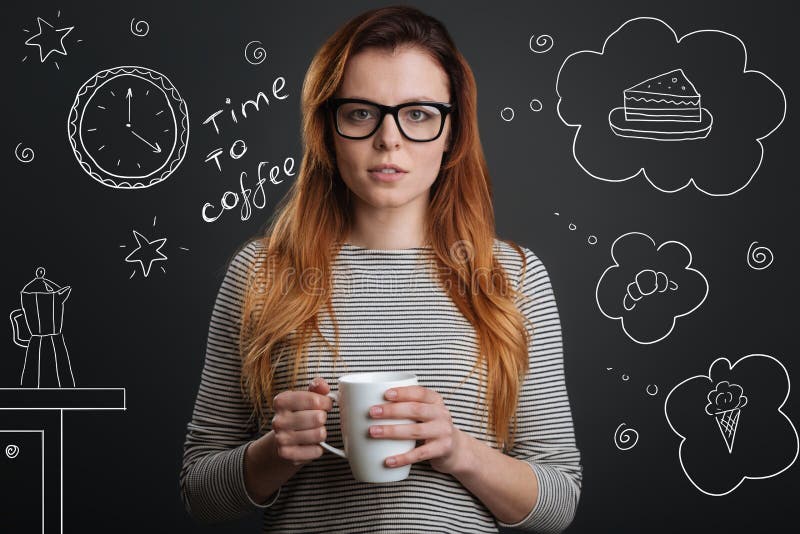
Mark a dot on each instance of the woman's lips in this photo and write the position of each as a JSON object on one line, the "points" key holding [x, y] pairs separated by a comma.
{"points": [[386, 176]]}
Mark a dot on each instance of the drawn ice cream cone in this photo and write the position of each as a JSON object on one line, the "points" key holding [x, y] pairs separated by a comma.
{"points": [[725, 402], [728, 422]]}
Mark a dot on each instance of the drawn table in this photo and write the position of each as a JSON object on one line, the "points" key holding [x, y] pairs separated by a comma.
{"points": [[42, 404]]}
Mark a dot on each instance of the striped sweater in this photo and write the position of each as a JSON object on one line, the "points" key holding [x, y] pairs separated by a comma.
{"points": [[392, 314]]}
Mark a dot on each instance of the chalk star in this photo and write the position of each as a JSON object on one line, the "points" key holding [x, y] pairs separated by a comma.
{"points": [[48, 34], [146, 252]]}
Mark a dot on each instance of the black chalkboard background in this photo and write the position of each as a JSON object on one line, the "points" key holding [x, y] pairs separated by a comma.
{"points": [[148, 334]]}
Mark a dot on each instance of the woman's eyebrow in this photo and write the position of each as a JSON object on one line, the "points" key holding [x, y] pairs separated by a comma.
{"points": [[412, 99]]}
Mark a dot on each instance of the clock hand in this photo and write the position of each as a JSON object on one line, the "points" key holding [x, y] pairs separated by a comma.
{"points": [[129, 96], [156, 148]]}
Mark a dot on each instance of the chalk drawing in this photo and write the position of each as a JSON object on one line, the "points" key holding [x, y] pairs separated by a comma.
{"points": [[725, 403], [646, 283], [25, 155], [662, 108], [543, 43], [147, 252], [254, 53], [669, 97], [46, 362], [48, 40], [13, 450], [139, 28], [759, 258], [766, 438], [128, 127], [648, 287], [625, 438]]}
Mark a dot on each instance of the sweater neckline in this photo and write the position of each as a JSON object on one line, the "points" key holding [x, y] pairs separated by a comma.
{"points": [[401, 251]]}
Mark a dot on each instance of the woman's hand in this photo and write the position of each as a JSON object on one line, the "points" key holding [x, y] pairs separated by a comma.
{"points": [[299, 422], [444, 444]]}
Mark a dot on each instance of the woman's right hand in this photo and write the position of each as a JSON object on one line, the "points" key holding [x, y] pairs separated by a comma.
{"points": [[299, 422]]}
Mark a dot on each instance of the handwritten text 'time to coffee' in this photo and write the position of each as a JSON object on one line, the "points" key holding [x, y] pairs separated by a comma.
{"points": [[245, 197]]}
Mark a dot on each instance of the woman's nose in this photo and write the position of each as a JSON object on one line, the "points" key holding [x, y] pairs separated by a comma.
{"points": [[388, 132]]}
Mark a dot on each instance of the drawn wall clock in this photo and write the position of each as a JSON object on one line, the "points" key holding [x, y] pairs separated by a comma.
{"points": [[128, 127]]}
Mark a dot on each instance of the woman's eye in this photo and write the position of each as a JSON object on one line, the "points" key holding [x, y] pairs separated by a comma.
{"points": [[360, 114], [417, 115]]}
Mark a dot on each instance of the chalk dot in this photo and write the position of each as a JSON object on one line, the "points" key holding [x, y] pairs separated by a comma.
{"points": [[572, 226], [536, 104], [592, 240], [505, 112], [128, 125], [625, 377]]}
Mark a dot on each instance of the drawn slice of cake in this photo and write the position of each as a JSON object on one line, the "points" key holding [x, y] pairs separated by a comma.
{"points": [[666, 97], [666, 107]]}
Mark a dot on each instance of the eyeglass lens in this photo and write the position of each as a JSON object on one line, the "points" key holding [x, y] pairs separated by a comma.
{"points": [[418, 122]]}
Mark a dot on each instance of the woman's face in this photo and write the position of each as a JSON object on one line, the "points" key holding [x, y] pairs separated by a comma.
{"points": [[392, 78]]}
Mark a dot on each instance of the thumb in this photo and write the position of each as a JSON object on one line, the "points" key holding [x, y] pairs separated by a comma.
{"points": [[319, 385]]}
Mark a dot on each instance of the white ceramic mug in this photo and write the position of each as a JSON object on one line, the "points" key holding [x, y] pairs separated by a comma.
{"points": [[367, 455]]}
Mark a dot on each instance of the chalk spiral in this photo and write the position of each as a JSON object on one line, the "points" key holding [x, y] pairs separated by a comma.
{"points": [[543, 43], [759, 258], [25, 155], [12, 451], [256, 55], [139, 28], [624, 437]]}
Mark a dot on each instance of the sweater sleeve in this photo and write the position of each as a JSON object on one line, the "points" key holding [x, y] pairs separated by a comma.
{"points": [[545, 436], [212, 475]]}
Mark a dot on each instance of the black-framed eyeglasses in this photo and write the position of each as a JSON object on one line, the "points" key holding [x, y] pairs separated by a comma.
{"points": [[356, 118]]}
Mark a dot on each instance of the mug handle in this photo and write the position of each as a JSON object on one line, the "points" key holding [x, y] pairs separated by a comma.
{"points": [[339, 452]]}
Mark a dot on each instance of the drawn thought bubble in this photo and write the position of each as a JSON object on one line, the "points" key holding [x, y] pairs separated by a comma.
{"points": [[726, 436], [648, 287], [712, 77]]}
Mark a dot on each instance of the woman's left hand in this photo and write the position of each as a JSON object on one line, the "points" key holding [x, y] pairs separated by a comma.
{"points": [[444, 444]]}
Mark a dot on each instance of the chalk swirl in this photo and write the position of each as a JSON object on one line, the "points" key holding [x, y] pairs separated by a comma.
{"points": [[139, 28], [25, 155], [759, 258], [258, 54], [625, 439], [543, 43], [12, 451]]}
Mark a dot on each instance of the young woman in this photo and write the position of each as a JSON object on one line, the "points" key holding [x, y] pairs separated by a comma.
{"points": [[364, 269]]}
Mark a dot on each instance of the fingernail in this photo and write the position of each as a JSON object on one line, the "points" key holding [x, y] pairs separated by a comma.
{"points": [[376, 430], [391, 393], [314, 383], [391, 461], [376, 410]]}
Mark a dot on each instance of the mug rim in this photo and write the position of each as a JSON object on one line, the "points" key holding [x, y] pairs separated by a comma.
{"points": [[376, 377]]}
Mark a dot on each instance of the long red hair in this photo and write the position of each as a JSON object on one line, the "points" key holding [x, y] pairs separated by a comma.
{"points": [[316, 213]]}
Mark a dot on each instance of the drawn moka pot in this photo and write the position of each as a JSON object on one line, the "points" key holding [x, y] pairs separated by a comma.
{"points": [[46, 358]]}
